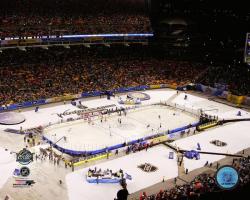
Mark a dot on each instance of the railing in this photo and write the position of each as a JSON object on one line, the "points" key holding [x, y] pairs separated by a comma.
{"points": [[65, 38]]}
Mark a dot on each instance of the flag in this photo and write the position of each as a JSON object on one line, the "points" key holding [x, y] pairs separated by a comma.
{"points": [[129, 177]]}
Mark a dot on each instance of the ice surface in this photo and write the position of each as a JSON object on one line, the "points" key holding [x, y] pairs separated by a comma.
{"points": [[80, 135]]}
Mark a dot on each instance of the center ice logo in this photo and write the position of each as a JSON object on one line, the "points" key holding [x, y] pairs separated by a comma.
{"points": [[147, 167]]}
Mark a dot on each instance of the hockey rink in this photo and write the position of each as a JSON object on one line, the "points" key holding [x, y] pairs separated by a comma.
{"points": [[156, 156], [138, 123]]}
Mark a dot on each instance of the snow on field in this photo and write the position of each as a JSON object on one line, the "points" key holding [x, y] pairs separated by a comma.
{"points": [[235, 135], [79, 188], [210, 107], [7, 166], [42, 117]]}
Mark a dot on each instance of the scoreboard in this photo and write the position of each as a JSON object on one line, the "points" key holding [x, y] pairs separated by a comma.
{"points": [[247, 49]]}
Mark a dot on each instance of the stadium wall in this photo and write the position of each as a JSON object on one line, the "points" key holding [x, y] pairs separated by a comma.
{"points": [[223, 94]]}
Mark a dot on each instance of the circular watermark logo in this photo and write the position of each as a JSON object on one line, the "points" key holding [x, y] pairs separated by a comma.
{"points": [[24, 157], [24, 171], [227, 177]]}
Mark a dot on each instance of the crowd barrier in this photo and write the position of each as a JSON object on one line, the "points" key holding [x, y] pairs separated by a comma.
{"points": [[172, 86], [157, 140], [71, 39], [23, 105], [221, 92], [82, 95]]}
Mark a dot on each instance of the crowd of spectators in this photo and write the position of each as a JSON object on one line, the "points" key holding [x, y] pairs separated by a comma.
{"points": [[43, 18], [203, 186], [37, 73], [235, 77], [38, 26]]}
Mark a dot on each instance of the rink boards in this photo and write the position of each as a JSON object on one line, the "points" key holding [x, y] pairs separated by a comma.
{"points": [[96, 137]]}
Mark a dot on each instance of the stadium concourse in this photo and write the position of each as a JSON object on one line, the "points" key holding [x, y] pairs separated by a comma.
{"points": [[234, 135]]}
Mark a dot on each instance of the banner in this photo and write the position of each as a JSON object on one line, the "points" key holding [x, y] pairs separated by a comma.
{"points": [[104, 156], [158, 139], [219, 92], [223, 95], [155, 86], [63, 98], [235, 99], [247, 101], [173, 86], [206, 126]]}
